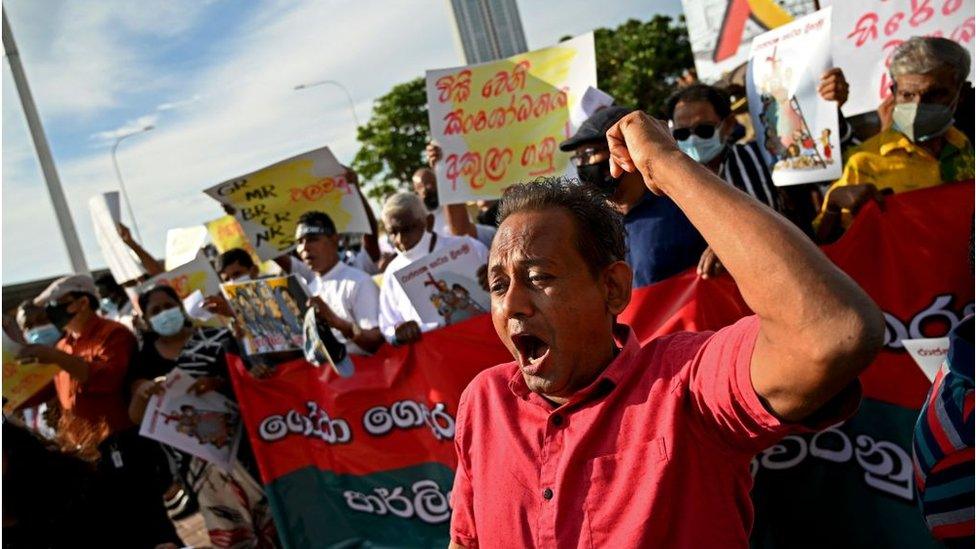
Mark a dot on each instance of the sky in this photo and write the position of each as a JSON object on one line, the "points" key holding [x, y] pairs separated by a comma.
{"points": [[216, 79]]}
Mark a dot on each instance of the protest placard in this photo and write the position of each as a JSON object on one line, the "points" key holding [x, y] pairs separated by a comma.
{"points": [[501, 122], [269, 312], [226, 233], [207, 425], [866, 33], [269, 201], [187, 278], [121, 262], [183, 243], [720, 31], [21, 380], [443, 286], [794, 125]]}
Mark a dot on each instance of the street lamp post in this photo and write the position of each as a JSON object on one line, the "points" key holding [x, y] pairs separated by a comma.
{"points": [[352, 106], [118, 175]]}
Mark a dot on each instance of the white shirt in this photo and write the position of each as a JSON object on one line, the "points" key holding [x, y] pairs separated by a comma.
{"points": [[395, 306], [352, 295], [486, 233]]}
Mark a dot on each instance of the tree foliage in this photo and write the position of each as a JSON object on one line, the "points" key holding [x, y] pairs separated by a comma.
{"points": [[637, 63]]}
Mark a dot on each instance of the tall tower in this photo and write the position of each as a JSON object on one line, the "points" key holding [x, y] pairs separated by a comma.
{"points": [[488, 29]]}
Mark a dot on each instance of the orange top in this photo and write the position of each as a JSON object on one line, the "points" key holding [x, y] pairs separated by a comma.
{"points": [[107, 347]]}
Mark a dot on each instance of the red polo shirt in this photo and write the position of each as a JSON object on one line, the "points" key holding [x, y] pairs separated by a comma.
{"points": [[107, 347], [654, 453]]}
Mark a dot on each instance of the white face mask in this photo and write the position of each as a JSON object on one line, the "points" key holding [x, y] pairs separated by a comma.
{"points": [[420, 249], [920, 122]]}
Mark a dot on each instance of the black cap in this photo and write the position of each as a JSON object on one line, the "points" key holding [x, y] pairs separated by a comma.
{"points": [[595, 128]]}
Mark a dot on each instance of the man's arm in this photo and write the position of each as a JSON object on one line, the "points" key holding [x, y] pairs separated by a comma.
{"points": [[76, 367], [151, 264], [371, 241], [818, 328]]}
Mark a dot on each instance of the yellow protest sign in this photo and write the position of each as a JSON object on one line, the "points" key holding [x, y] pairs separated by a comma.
{"points": [[501, 122], [21, 381], [226, 233], [269, 201], [189, 277]]}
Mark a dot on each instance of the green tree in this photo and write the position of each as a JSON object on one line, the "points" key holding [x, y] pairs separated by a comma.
{"points": [[637, 63], [393, 140]]}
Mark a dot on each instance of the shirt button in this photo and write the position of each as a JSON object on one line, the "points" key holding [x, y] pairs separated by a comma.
{"points": [[557, 420], [547, 493]]}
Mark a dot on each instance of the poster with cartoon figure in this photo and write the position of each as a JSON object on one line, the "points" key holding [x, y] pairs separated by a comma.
{"points": [[207, 426], [269, 313], [443, 286], [795, 127]]}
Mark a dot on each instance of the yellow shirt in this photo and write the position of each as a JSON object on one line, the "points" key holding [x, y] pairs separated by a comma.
{"points": [[890, 160]]}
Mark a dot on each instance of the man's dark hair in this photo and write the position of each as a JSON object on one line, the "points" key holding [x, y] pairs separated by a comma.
{"points": [[599, 228], [318, 219], [700, 92], [234, 255]]}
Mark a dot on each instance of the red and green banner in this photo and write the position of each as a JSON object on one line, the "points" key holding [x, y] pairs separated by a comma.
{"points": [[369, 460]]}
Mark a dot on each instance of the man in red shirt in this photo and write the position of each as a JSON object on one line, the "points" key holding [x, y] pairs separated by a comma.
{"points": [[592, 439]]}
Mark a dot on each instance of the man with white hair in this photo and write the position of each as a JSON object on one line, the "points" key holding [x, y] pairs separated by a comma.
{"points": [[411, 230], [922, 148]]}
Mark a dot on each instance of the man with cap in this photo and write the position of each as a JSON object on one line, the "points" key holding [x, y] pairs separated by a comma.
{"points": [[93, 355], [660, 240], [344, 297]]}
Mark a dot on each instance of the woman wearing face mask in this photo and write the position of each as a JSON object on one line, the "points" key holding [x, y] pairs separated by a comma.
{"points": [[172, 341], [35, 326]]}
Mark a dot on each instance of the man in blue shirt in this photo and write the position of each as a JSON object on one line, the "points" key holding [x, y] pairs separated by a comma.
{"points": [[660, 240]]}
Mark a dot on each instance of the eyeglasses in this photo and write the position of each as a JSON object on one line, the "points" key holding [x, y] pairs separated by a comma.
{"points": [[704, 131], [584, 157]]}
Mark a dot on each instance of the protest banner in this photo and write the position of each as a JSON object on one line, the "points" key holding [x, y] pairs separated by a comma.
{"points": [[270, 313], [122, 263], [501, 122], [21, 380], [207, 425], [187, 278], [226, 233], [182, 245], [369, 459], [865, 34], [269, 201], [720, 31], [793, 124], [443, 286]]}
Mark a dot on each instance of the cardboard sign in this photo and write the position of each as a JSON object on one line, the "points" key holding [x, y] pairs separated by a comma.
{"points": [[443, 286], [269, 201], [269, 312], [21, 380], [121, 262], [187, 278], [928, 353], [182, 244], [866, 33], [501, 122], [794, 125], [207, 426], [720, 31]]}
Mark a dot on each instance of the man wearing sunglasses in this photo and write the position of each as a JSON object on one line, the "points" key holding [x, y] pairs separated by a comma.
{"points": [[660, 240]]}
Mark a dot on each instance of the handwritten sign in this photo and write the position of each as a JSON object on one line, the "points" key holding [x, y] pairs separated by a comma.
{"points": [[21, 381], [182, 244], [501, 122], [867, 32], [121, 261], [720, 31], [443, 286], [270, 201], [794, 125], [187, 278]]}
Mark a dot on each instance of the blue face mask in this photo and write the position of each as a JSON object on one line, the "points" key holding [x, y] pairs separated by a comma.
{"points": [[702, 150], [45, 334], [108, 307], [168, 322]]}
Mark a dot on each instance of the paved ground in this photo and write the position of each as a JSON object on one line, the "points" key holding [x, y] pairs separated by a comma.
{"points": [[192, 531]]}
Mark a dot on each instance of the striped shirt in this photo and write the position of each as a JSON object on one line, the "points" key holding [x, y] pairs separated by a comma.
{"points": [[746, 169], [943, 447]]}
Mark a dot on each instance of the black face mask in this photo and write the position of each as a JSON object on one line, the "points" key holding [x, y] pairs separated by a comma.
{"points": [[598, 175], [431, 201], [58, 314]]}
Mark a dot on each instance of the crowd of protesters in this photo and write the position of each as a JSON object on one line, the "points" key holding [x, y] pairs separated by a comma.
{"points": [[105, 484]]}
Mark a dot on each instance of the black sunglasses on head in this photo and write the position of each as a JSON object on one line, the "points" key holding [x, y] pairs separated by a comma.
{"points": [[704, 131]]}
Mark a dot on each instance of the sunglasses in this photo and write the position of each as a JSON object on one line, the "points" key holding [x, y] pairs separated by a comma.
{"points": [[704, 131]]}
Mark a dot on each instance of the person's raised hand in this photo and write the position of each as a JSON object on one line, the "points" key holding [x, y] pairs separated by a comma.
{"points": [[433, 151], [833, 86], [886, 111], [217, 305], [639, 143], [408, 332], [709, 265], [124, 233]]}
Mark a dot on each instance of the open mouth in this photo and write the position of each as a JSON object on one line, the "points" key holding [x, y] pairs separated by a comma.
{"points": [[532, 351]]}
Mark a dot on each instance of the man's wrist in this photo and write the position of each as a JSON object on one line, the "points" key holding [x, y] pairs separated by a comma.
{"points": [[670, 168]]}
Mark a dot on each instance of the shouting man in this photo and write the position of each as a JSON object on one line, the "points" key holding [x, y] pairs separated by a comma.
{"points": [[591, 439]]}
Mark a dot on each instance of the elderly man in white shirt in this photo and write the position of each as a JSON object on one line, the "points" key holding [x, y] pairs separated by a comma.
{"points": [[411, 229], [344, 297]]}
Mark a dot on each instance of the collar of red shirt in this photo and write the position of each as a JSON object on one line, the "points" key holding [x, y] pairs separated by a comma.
{"points": [[604, 383], [88, 329]]}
